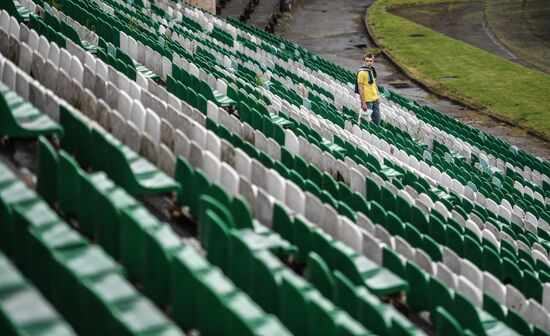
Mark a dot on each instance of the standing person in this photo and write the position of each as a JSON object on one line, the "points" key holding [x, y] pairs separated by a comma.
{"points": [[367, 89]]}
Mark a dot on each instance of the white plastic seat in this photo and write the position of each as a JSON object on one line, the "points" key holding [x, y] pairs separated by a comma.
{"points": [[350, 234], [44, 47], [123, 39], [404, 248], [425, 168], [132, 136], [211, 166], [5, 21], [229, 179], [193, 70], [53, 54], [221, 86], [275, 185], [8, 75], [124, 106], [14, 28], [243, 164], [181, 144], [470, 291], [132, 47], [65, 60], [195, 155], [101, 70], [494, 287], [514, 298], [76, 69], [213, 144], [33, 39], [212, 111], [22, 85], [263, 208], [445, 274], [291, 142], [166, 160], [198, 133], [152, 126]]}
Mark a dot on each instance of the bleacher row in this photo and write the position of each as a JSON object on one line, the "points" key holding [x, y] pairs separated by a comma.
{"points": [[310, 223]]}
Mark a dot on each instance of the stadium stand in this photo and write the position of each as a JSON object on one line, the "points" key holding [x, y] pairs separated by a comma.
{"points": [[308, 222]]}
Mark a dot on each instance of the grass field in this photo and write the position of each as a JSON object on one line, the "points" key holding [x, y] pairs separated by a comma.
{"points": [[458, 70]]}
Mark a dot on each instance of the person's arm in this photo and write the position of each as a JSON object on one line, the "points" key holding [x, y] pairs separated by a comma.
{"points": [[377, 93], [360, 81]]}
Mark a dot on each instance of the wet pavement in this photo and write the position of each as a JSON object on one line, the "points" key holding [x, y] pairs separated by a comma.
{"points": [[524, 27], [233, 8], [461, 21], [335, 30], [466, 22]]}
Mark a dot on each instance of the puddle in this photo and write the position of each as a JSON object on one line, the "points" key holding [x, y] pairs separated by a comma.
{"points": [[401, 85]]}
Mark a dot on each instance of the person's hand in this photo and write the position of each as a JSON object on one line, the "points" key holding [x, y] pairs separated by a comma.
{"points": [[364, 106], [378, 100]]}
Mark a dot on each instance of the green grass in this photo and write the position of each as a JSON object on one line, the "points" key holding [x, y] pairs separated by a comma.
{"points": [[488, 82]]}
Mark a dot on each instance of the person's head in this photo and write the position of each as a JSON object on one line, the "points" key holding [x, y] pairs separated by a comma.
{"points": [[368, 59]]}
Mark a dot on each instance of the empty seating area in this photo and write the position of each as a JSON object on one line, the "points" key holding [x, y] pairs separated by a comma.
{"points": [[190, 173]]}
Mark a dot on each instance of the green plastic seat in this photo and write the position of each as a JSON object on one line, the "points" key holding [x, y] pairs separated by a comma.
{"points": [[445, 324], [302, 236], [140, 316], [19, 118], [321, 315], [207, 202], [282, 223], [418, 296], [23, 310], [20, 12], [213, 293], [106, 292], [392, 261], [493, 307], [322, 244], [12, 193], [241, 212], [371, 313], [32, 216], [266, 279], [468, 315], [91, 188], [346, 295], [160, 246], [319, 274], [362, 271], [347, 326], [186, 272], [70, 33], [130, 171], [135, 222], [73, 267], [47, 161], [517, 323], [216, 240], [293, 303], [440, 296], [244, 317], [68, 177]]}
